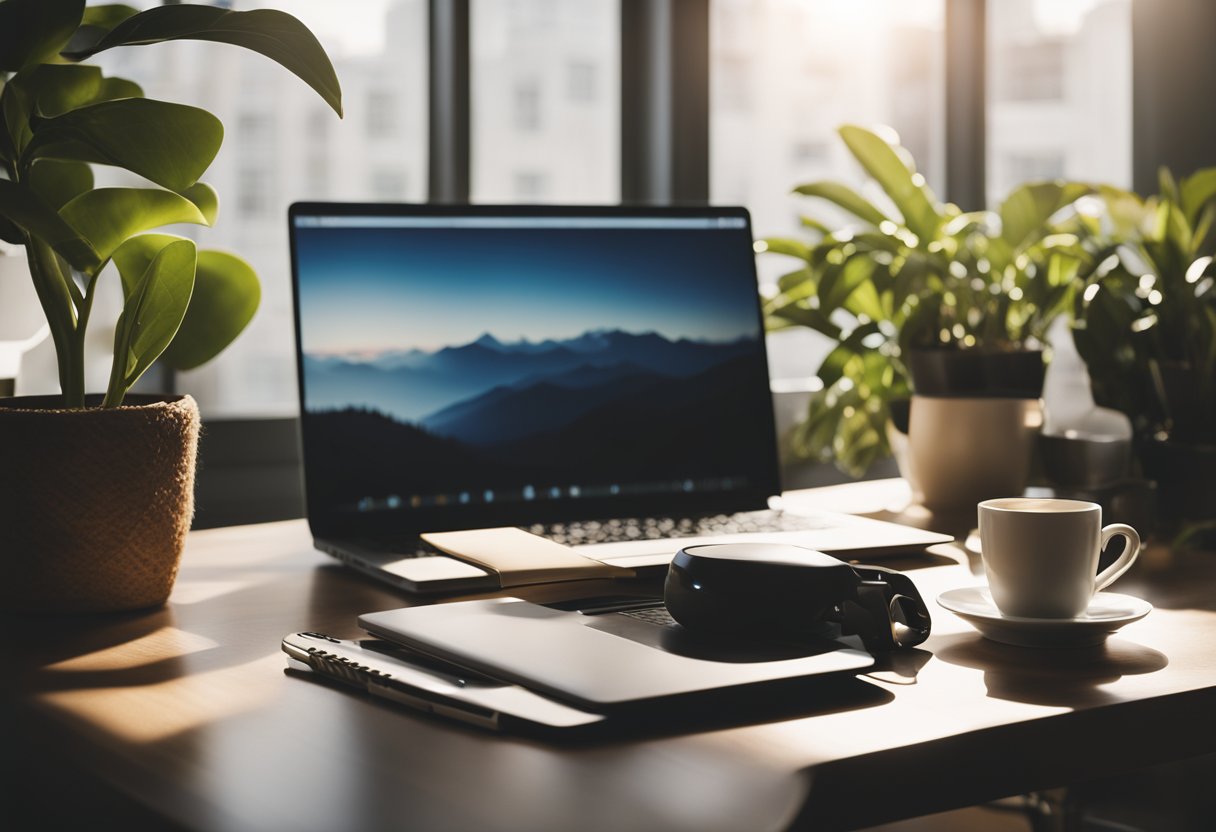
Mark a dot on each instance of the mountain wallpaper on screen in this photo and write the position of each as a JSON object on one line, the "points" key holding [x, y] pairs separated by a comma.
{"points": [[493, 414]]}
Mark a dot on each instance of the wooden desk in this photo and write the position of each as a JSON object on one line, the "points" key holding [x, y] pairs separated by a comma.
{"points": [[187, 712]]}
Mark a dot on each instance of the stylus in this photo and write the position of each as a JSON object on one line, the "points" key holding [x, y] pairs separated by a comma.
{"points": [[427, 685]]}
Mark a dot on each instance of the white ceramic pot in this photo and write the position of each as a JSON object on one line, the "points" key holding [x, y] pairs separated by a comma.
{"points": [[962, 451]]}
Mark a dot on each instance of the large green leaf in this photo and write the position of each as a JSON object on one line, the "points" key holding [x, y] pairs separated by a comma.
{"points": [[846, 198], [275, 34], [1025, 212], [152, 315], [107, 16], [14, 118], [800, 315], [106, 217], [135, 255], [226, 295], [56, 183], [1197, 192], [31, 31], [880, 160], [53, 89], [784, 245], [838, 284], [170, 144], [22, 208]]}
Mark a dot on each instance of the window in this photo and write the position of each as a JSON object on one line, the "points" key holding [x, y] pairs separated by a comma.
{"points": [[529, 185], [283, 145], [545, 102], [381, 114], [1059, 92], [784, 74], [527, 106], [389, 185], [581, 84]]}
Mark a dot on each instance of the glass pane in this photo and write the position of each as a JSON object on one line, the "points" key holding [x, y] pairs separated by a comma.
{"points": [[784, 74], [545, 100], [282, 144], [1059, 92]]}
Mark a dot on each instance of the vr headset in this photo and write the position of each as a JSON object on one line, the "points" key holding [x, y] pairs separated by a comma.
{"points": [[774, 590]]}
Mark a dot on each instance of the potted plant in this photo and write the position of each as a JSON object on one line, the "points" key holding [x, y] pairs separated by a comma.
{"points": [[1145, 324], [923, 298], [96, 492]]}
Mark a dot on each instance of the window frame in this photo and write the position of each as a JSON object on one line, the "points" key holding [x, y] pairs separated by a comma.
{"points": [[664, 82]]}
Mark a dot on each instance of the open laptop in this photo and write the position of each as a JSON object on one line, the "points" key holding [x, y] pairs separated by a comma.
{"points": [[596, 375]]}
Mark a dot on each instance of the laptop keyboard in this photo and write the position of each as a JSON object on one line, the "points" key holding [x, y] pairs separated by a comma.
{"points": [[638, 528], [652, 615], [659, 528]]}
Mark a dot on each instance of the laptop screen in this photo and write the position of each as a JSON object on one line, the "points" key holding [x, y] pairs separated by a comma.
{"points": [[463, 367]]}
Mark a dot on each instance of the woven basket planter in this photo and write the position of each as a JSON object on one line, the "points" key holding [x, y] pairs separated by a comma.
{"points": [[94, 504]]}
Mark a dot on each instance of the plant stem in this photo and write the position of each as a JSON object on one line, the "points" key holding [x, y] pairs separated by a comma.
{"points": [[53, 294]]}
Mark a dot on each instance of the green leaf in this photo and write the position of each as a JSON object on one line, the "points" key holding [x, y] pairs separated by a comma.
{"points": [[113, 89], [880, 160], [135, 255], [865, 300], [226, 295], [170, 144], [107, 16], [152, 315], [1197, 192], [275, 34], [796, 278], [32, 31], [97, 22], [14, 113], [800, 315], [814, 225], [844, 197], [21, 207], [834, 292], [833, 367], [1166, 184], [10, 233], [784, 245], [1025, 212], [106, 217], [53, 89], [56, 183]]}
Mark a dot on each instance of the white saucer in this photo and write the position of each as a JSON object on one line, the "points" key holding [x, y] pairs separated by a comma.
{"points": [[1107, 612]]}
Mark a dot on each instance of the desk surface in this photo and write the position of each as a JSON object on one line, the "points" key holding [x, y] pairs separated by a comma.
{"points": [[187, 710]]}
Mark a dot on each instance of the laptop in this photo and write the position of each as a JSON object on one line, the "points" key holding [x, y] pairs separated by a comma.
{"points": [[603, 660], [594, 375]]}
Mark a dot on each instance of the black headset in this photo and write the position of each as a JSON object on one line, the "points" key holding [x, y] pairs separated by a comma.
{"points": [[775, 590]]}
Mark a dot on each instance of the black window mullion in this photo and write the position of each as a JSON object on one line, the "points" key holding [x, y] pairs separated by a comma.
{"points": [[665, 101], [448, 154], [966, 103]]}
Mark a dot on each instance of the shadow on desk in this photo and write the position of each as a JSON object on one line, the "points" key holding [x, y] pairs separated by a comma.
{"points": [[1070, 678]]}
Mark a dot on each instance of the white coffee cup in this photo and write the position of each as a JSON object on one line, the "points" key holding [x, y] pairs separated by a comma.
{"points": [[1041, 555]]}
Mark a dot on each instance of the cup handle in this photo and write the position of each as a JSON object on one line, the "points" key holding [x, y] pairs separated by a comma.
{"points": [[1115, 571]]}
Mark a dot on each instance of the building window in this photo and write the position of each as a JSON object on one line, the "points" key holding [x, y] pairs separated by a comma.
{"points": [[545, 100], [784, 74], [381, 114], [527, 106], [529, 185], [389, 185], [1059, 93], [581, 81], [255, 193]]}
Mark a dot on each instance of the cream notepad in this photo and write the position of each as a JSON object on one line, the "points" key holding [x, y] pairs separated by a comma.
{"points": [[519, 557]]}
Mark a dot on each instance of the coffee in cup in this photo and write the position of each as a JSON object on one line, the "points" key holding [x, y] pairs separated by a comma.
{"points": [[1041, 555]]}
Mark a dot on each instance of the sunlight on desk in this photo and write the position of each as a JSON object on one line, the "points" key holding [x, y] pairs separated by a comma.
{"points": [[165, 643], [150, 713]]}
